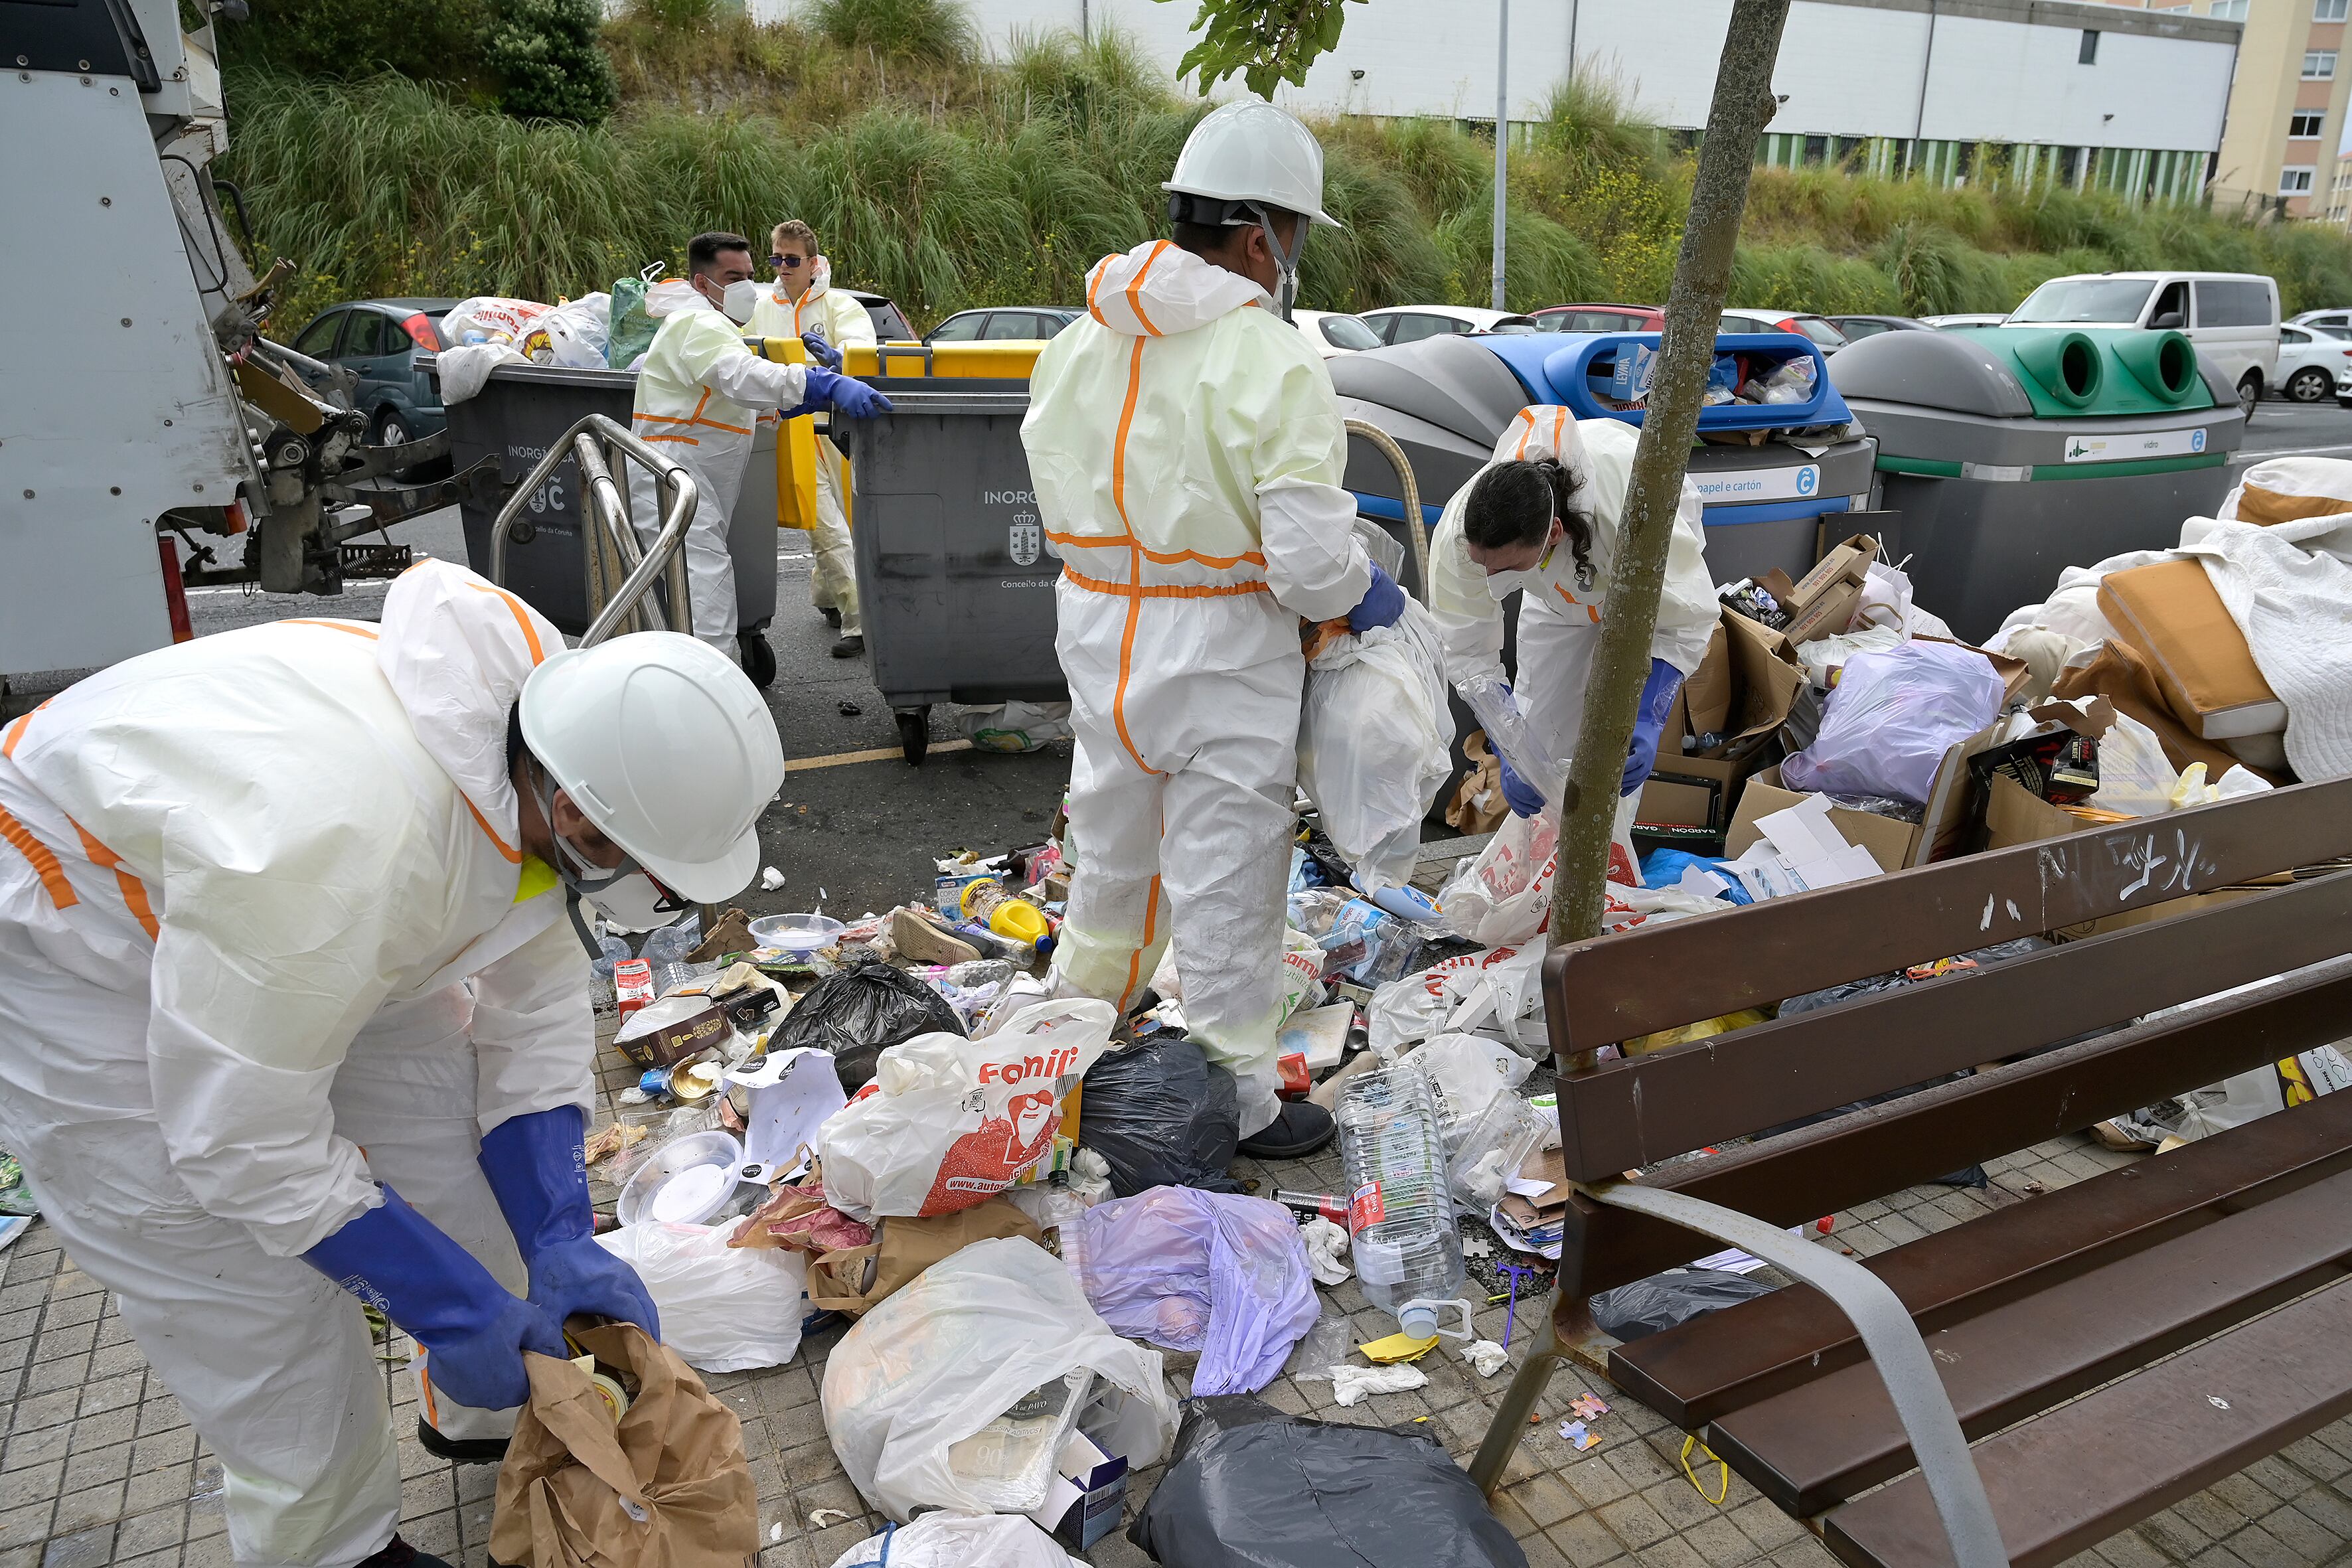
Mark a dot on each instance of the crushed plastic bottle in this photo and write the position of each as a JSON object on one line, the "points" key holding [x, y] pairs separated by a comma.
{"points": [[1399, 1213], [1497, 707]]}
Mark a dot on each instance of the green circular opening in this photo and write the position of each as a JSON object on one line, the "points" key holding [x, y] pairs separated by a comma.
{"points": [[2078, 367], [2176, 365]]}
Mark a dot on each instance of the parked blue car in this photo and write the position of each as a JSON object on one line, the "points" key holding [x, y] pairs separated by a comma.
{"points": [[378, 341]]}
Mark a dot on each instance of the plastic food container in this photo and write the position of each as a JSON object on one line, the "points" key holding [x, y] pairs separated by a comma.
{"points": [[684, 1182], [796, 933]]}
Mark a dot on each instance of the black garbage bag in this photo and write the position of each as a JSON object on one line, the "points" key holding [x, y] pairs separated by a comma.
{"points": [[1161, 1115], [1250, 1486], [1651, 1306], [859, 1012]]}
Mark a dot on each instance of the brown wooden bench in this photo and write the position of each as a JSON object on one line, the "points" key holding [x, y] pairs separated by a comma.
{"points": [[2043, 1320]]}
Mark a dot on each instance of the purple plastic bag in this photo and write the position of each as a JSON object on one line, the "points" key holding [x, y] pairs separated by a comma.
{"points": [[1890, 718], [1189, 1271]]}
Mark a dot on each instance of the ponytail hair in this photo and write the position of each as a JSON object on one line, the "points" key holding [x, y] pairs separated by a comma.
{"points": [[1513, 502]]}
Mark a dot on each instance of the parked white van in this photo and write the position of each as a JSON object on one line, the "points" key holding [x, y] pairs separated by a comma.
{"points": [[2232, 317]]}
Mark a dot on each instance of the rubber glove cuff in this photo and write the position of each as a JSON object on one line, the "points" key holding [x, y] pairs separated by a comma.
{"points": [[537, 1172], [1657, 700], [1382, 603], [1522, 797], [473, 1329]]}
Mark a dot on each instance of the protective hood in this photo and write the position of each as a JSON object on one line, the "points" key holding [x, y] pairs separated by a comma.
{"points": [[1157, 290], [456, 651]]}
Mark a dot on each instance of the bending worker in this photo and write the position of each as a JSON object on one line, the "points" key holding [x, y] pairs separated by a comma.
{"points": [[1543, 518], [292, 1017], [1187, 448], [699, 393], [804, 304]]}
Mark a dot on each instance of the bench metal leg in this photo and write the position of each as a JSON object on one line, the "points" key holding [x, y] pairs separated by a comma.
{"points": [[1544, 1358], [1887, 1333]]}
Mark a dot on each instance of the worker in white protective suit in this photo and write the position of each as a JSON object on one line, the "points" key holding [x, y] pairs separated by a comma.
{"points": [[1187, 449], [1543, 519], [803, 303], [700, 391], [292, 1016]]}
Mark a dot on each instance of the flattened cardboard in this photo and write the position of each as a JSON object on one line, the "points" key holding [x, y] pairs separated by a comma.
{"points": [[2169, 614]]}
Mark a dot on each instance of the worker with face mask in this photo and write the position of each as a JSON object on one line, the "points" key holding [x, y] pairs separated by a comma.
{"points": [[1187, 450], [803, 303], [1544, 519], [292, 1016], [700, 391]]}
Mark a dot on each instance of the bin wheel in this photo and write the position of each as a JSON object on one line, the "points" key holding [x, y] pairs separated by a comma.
{"points": [[914, 734], [758, 658]]}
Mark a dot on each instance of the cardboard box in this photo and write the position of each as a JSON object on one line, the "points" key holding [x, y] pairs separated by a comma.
{"points": [[2169, 613], [1848, 561], [1826, 616], [2015, 816], [1743, 690], [1084, 1499], [1894, 844]]}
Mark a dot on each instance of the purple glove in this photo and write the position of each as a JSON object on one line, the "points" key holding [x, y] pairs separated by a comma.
{"points": [[1650, 723], [1522, 797]]}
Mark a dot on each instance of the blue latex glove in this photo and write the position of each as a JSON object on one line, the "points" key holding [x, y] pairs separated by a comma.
{"points": [[1382, 603], [1650, 723], [474, 1330], [841, 394], [533, 1164], [1522, 797], [825, 353]]}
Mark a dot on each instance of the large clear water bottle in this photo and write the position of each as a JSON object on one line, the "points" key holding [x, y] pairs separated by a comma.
{"points": [[1400, 1214]]}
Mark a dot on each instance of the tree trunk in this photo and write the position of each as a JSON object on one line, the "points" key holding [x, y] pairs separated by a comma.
{"points": [[1743, 104]]}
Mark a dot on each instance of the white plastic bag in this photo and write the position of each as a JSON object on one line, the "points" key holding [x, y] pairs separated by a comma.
{"points": [[969, 1339], [1501, 898], [2136, 777], [1372, 738], [571, 335], [466, 368], [949, 1122], [1467, 1072], [1891, 718], [1497, 992], [490, 318], [959, 1541], [1015, 726], [723, 1309]]}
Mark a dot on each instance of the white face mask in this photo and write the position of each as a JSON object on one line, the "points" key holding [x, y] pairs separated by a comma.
{"points": [[742, 297]]}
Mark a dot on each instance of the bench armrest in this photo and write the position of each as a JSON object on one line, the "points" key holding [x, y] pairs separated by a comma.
{"points": [[1887, 1333]]}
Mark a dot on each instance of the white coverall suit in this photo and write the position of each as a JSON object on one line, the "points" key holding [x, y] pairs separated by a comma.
{"points": [[700, 394], [833, 580], [1559, 617], [266, 939], [1187, 450]]}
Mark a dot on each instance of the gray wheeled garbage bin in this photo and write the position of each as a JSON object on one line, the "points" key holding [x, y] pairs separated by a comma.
{"points": [[519, 410], [954, 582], [2015, 452]]}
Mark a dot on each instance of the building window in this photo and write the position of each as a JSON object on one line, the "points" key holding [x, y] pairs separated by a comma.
{"points": [[2089, 54], [2319, 65], [2327, 10], [2294, 179], [2227, 10], [2306, 122]]}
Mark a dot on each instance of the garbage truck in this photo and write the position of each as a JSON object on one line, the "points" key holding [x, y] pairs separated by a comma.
{"points": [[148, 418]]}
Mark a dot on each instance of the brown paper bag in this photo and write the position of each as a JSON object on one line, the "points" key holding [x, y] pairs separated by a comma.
{"points": [[1483, 783], [732, 934], [667, 1488], [840, 1281]]}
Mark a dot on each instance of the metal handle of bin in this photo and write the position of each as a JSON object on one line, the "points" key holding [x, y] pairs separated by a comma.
{"points": [[884, 353], [1416, 528], [609, 548], [608, 512]]}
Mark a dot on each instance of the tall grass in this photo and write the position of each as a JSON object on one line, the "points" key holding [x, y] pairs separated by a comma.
{"points": [[946, 179]]}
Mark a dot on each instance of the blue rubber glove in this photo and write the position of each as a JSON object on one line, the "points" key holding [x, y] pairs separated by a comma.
{"points": [[841, 394], [1522, 797], [823, 353], [1382, 603], [474, 1330], [1650, 723], [533, 1164]]}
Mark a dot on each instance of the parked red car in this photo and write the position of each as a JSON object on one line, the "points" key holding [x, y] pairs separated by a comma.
{"points": [[1600, 319]]}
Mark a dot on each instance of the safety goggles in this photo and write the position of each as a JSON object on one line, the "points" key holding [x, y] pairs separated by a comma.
{"points": [[788, 263]]}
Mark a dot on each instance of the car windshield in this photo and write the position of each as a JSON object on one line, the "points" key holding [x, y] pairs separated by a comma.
{"points": [[1347, 332], [2085, 299], [1513, 326]]}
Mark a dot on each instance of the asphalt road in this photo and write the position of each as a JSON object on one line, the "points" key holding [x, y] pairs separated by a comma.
{"points": [[855, 832]]}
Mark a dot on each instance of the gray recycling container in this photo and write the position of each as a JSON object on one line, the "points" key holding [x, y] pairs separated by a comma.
{"points": [[2015, 452], [523, 409], [954, 582]]}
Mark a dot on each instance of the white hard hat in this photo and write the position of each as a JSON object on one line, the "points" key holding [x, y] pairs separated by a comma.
{"points": [[668, 748], [1253, 152]]}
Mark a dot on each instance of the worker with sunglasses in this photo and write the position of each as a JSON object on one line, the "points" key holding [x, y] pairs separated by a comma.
{"points": [[803, 303], [294, 1009]]}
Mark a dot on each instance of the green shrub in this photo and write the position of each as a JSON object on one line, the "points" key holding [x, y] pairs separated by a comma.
{"points": [[425, 41], [935, 31], [546, 59]]}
